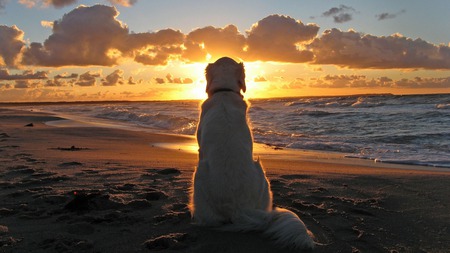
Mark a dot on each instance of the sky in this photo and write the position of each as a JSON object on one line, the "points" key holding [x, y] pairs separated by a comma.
{"points": [[73, 50]]}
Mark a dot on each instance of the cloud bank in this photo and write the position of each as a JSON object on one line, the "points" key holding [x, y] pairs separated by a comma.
{"points": [[355, 50], [94, 35], [361, 81]]}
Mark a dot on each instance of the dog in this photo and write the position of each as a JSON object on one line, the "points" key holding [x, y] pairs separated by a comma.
{"points": [[230, 190]]}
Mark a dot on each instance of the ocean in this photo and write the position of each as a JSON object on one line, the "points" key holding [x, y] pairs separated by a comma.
{"points": [[410, 129]]}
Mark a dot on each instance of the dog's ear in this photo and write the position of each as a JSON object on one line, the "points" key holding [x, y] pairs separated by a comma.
{"points": [[241, 75], [208, 76]]}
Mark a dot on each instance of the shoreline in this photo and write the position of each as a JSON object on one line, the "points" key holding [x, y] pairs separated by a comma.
{"points": [[188, 143], [94, 189]]}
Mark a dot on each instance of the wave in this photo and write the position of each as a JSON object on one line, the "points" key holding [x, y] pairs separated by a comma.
{"points": [[312, 113], [443, 106], [323, 146], [176, 124]]}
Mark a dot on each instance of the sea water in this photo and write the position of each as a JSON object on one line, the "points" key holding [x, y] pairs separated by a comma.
{"points": [[413, 129]]}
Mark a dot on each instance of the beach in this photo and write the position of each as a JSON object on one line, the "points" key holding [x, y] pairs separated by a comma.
{"points": [[78, 188]]}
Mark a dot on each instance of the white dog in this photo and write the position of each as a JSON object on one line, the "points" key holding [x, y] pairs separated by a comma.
{"points": [[230, 189]]}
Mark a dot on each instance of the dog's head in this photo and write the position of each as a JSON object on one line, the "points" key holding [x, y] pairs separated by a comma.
{"points": [[225, 74]]}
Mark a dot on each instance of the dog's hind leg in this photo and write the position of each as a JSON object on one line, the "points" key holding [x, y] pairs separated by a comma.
{"points": [[201, 210], [265, 200]]}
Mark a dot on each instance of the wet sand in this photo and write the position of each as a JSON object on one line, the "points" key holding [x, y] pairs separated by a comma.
{"points": [[94, 189]]}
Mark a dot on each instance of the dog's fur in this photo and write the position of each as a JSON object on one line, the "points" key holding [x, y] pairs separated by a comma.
{"points": [[230, 189]]}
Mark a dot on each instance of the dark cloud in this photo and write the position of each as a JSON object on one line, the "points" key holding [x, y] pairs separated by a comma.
{"points": [[21, 84], [280, 38], [26, 75], [160, 80], [60, 3], [340, 14], [387, 15], [114, 78], [11, 45], [56, 82], [87, 79], [356, 50], [131, 81], [46, 3]]}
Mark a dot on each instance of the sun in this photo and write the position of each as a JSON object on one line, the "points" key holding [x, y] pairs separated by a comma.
{"points": [[254, 79], [196, 90]]}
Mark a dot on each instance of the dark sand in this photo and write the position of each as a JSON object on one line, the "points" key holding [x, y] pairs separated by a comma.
{"points": [[91, 189]]}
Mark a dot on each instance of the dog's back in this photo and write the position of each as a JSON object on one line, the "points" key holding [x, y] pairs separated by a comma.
{"points": [[232, 181]]}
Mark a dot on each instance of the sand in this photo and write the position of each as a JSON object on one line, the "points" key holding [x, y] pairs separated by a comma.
{"points": [[93, 189]]}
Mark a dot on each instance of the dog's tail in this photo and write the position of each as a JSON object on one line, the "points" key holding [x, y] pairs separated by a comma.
{"points": [[280, 224]]}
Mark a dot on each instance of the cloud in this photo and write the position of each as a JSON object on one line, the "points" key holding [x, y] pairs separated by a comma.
{"points": [[298, 83], [84, 36], [174, 80], [280, 38], [66, 76], [131, 81], [64, 3], [55, 82], [89, 36], [160, 80], [340, 14], [48, 24], [126, 3], [154, 48], [22, 84], [361, 81], [46, 3], [3, 4], [87, 79], [356, 50], [114, 78], [420, 82], [94, 36], [26, 75], [11, 45], [213, 41], [386, 15], [259, 79], [339, 81]]}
